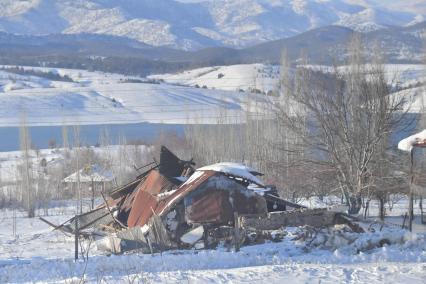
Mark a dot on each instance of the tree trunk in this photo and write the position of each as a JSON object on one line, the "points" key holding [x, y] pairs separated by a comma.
{"points": [[367, 204], [93, 195], [355, 204], [421, 210], [382, 208]]}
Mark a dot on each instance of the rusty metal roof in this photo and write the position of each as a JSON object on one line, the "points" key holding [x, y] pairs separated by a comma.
{"points": [[145, 201], [154, 183], [219, 198], [191, 184], [144, 196], [147, 204]]}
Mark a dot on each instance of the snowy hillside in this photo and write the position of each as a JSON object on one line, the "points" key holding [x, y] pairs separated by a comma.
{"points": [[232, 78], [101, 98], [265, 78], [202, 95], [189, 25]]}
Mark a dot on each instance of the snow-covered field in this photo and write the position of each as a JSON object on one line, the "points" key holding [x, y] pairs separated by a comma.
{"points": [[39, 254], [233, 78], [102, 98], [265, 78]]}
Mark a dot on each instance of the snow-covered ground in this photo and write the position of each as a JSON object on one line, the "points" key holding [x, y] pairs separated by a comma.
{"points": [[407, 79], [247, 77], [39, 254], [102, 98], [397, 75]]}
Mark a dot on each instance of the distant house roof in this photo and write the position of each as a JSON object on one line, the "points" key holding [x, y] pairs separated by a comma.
{"points": [[416, 140], [90, 173]]}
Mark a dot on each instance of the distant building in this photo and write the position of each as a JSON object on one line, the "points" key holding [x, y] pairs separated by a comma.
{"points": [[93, 180]]}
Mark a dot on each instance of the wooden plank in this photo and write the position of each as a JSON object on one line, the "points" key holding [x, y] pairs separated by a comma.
{"points": [[56, 227], [277, 220], [236, 232], [273, 198]]}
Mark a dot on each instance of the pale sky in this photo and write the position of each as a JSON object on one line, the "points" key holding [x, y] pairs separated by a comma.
{"points": [[415, 6]]}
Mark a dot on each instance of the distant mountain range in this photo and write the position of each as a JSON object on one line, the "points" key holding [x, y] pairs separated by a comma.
{"points": [[323, 45], [187, 25]]}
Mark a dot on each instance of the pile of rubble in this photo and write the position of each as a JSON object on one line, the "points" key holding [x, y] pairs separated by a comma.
{"points": [[173, 206]]}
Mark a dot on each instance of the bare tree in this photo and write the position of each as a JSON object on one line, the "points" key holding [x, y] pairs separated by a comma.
{"points": [[340, 119], [64, 136], [77, 146], [26, 172]]}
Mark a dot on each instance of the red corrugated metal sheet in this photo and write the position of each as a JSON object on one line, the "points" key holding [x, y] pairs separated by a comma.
{"points": [[192, 184], [219, 199], [248, 203], [142, 209], [215, 204], [149, 204], [154, 183], [210, 207], [143, 198]]}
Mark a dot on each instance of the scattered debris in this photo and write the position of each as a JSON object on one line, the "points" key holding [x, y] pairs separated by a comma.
{"points": [[342, 237], [173, 206], [295, 218]]}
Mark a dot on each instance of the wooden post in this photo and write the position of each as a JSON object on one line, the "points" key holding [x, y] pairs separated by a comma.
{"points": [[76, 238], [110, 212], [410, 196], [93, 195], [157, 234], [403, 221], [236, 232], [150, 246]]}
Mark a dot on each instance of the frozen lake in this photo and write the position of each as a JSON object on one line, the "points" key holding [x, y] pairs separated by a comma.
{"points": [[89, 134]]}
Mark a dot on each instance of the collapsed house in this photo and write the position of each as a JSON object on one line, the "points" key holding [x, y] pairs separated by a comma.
{"points": [[172, 205]]}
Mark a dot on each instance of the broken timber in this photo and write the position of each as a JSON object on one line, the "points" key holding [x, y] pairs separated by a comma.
{"points": [[172, 205], [301, 217]]}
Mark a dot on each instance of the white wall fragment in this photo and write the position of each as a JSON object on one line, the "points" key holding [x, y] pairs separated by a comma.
{"points": [[193, 236]]}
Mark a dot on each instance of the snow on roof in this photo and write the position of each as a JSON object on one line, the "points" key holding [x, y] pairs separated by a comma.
{"points": [[408, 143], [235, 169], [89, 174]]}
